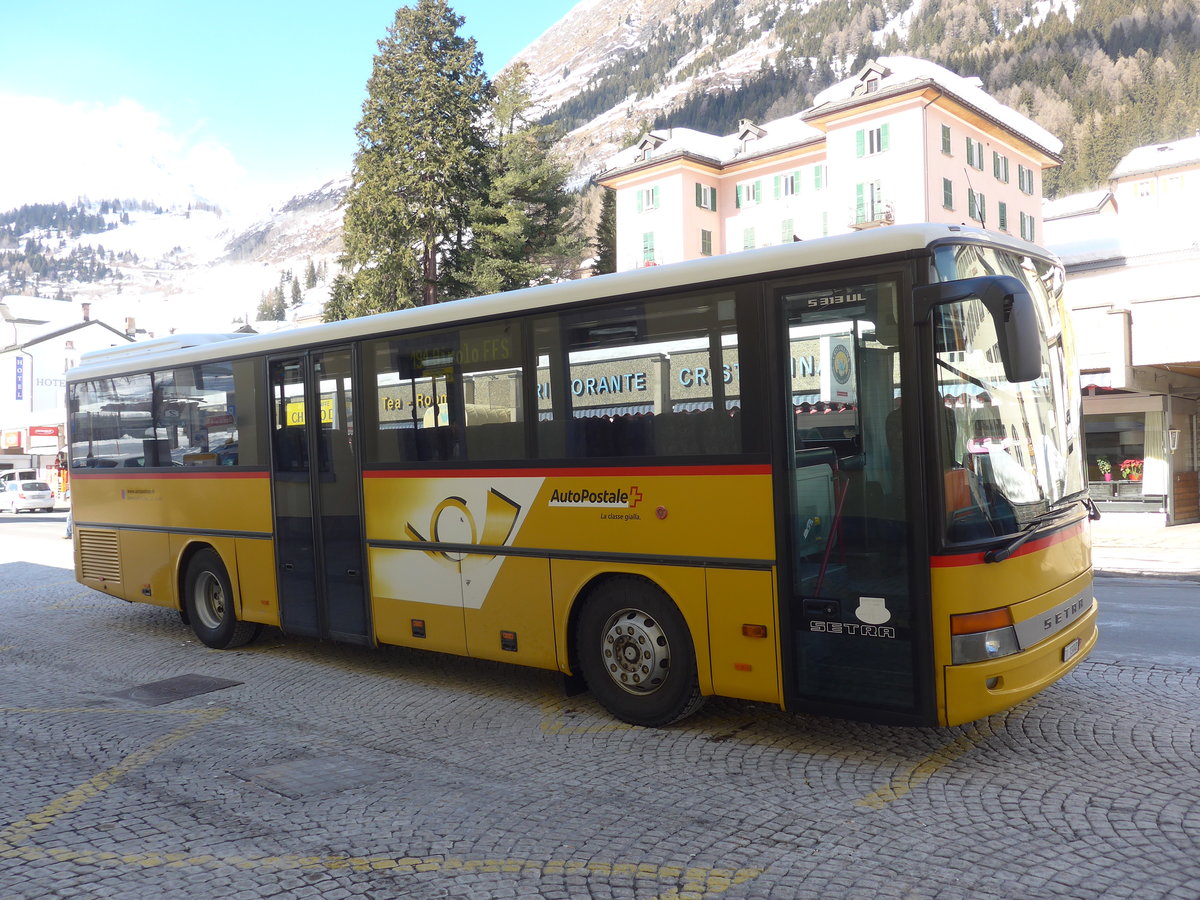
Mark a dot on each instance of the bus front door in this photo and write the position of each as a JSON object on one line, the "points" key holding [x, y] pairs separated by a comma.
{"points": [[317, 497]]}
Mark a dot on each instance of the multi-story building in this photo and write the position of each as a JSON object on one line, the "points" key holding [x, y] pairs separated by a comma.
{"points": [[1132, 254], [905, 140]]}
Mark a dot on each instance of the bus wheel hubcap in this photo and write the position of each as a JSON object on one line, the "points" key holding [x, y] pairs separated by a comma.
{"points": [[636, 653], [210, 600]]}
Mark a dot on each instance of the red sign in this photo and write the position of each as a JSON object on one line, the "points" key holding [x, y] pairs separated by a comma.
{"points": [[43, 431]]}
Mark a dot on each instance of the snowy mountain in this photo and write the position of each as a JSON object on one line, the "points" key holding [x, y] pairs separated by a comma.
{"points": [[158, 271]]}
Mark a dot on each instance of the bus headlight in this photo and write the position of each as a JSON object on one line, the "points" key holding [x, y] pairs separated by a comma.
{"points": [[979, 636]]}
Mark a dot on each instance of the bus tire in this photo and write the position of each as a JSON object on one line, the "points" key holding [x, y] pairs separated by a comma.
{"points": [[208, 604], [636, 654]]}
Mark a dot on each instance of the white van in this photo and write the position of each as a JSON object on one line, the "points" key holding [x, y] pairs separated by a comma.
{"points": [[8, 475]]}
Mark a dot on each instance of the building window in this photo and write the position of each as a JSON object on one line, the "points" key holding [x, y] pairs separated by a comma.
{"points": [[787, 185], [1000, 167], [706, 197], [947, 193], [869, 141], [946, 141], [648, 198], [748, 242], [820, 177], [787, 232], [705, 242], [976, 207], [1145, 189], [869, 203], [749, 193], [1003, 216], [1027, 227], [648, 247], [975, 153], [1025, 179], [824, 224]]}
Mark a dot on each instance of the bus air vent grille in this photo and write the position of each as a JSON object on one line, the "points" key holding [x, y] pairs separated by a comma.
{"points": [[98, 556]]}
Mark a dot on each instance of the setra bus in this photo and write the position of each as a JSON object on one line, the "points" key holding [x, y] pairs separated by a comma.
{"points": [[843, 476]]}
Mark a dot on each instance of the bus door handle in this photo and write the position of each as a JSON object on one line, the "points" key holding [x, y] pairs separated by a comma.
{"points": [[353, 573], [287, 567]]}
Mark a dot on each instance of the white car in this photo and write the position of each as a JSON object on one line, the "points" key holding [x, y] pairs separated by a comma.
{"points": [[19, 495]]}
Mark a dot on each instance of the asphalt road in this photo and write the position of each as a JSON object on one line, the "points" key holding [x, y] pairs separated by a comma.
{"points": [[1148, 621], [139, 764]]}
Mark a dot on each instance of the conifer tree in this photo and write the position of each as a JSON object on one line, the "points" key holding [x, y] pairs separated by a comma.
{"points": [[522, 229], [419, 163], [606, 235]]}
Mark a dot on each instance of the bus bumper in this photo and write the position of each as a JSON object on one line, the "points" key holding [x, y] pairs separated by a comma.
{"points": [[975, 690]]}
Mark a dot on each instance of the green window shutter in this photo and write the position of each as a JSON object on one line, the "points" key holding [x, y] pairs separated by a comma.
{"points": [[713, 200], [883, 136], [788, 231], [758, 192], [946, 139], [860, 142], [699, 194], [995, 164], [947, 193], [970, 152], [656, 197], [818, 176], [860, 214], [982, 210], [639, 200], [739, 196], [1003, 217], [971, 204], [648, 247], [705, 242], [748, 242], [778, 186]]}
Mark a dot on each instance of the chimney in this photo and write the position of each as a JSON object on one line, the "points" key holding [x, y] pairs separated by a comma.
{"points": [[130, 326], [87, 311]]}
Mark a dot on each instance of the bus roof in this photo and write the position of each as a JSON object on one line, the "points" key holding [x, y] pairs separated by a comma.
{"points": [[193, 349]]}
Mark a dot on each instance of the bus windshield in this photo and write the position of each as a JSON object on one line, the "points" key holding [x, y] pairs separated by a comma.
{"points": [[1010, 452]]}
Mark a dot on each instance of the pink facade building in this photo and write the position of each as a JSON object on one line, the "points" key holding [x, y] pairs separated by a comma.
{"points": [[904, 140]]}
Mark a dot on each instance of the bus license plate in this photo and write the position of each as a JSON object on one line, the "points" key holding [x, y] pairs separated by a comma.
{"points": [[1070, 650]]}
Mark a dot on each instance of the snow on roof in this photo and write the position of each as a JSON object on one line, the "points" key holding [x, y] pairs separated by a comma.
{"points": [[904, 69], [1086, 203], [1155, 157], [723, 149]]}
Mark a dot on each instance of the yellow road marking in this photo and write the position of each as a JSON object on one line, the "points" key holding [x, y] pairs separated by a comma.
{"points": [[19, 832], [918, 773], [697, 883]]}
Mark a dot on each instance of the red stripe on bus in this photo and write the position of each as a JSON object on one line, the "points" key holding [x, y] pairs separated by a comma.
{"points": [[615, 471], [133, 473], [976, 559]]}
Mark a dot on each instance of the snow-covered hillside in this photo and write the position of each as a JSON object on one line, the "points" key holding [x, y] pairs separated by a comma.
{"points": [[182, 270]]}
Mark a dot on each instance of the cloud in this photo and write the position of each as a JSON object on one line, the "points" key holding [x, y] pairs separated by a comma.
{"points": [[56, 151]]}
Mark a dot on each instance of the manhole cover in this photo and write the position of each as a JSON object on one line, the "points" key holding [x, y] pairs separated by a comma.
{"points": [[158, 692], [322, 775]]}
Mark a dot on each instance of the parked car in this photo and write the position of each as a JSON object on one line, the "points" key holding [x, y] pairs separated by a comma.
{"points": [[33, 495]]}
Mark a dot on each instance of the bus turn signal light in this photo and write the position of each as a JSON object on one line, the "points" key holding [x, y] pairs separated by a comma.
{"points": [[754, 631], [973, 623]]}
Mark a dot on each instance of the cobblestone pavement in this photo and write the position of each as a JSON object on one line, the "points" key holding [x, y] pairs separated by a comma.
{"points": [[339, 772]]}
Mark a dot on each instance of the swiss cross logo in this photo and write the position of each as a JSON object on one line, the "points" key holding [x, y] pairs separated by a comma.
{"points": [[635, 496]]}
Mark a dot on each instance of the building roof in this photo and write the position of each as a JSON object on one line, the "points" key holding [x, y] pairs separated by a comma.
{"points": [[888, 74], [1157, 157], [56, 332], [1085, 204], [897, 73]]}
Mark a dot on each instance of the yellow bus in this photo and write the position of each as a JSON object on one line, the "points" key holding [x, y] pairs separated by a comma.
{"points": [[842, 476]]}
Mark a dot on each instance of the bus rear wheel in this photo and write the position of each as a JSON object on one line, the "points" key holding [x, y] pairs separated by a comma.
{"points": [[636, 654], [208, 601]]}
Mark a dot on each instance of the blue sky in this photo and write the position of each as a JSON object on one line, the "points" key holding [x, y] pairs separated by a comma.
{"points": [[249, 98]]}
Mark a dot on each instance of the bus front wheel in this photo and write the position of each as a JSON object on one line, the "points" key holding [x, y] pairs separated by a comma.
{"points": [[636, 654], [208, 599]]}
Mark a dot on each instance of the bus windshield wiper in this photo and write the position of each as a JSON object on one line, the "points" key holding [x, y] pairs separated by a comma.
{"points": [[999, 554]]}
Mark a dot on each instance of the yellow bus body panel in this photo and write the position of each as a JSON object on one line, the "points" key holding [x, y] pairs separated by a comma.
{"points": [[1048, 572], [133, 506], [628, 516]]}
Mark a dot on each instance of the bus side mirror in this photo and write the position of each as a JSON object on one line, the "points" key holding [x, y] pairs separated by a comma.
{"points": [[1010, 305]]}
